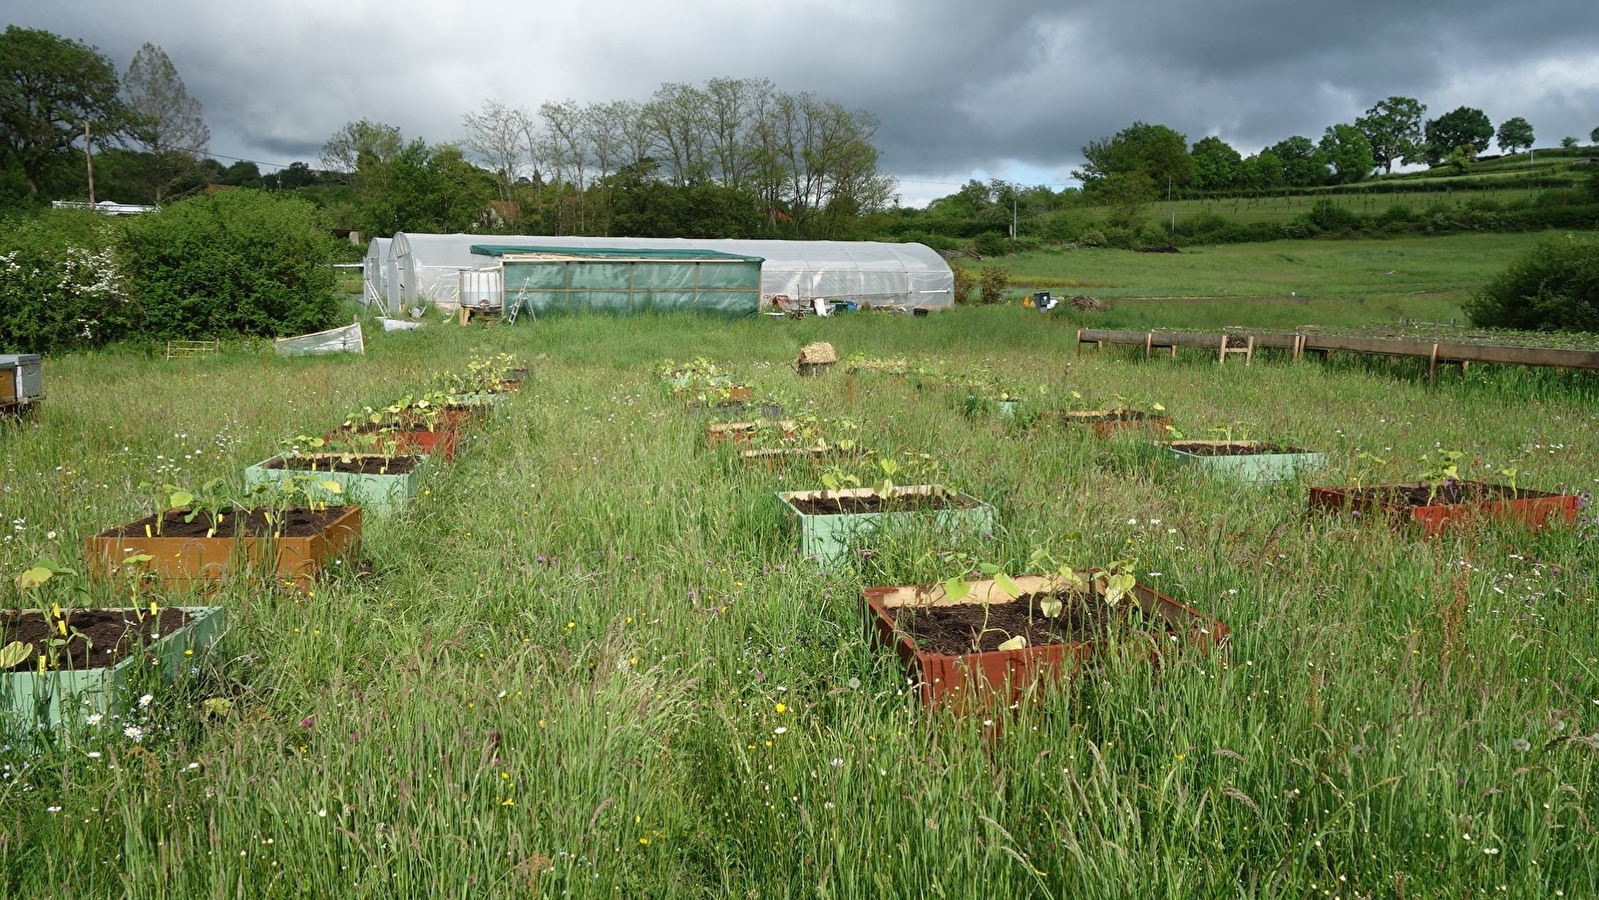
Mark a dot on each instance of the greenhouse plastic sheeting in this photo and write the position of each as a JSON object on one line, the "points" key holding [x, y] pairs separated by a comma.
{"points": [[338, 340], [375, 271], [538, 281], [431, 267]]}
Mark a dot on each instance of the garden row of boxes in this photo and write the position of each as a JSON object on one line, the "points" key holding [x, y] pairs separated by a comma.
{"points": [[970, 643], [300, 512]]}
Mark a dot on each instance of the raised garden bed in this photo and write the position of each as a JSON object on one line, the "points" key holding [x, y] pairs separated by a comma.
{"points": [[1451, 504], [744, 432], [1255, 461], [181, 553], [378, 483], [933, 635], [768, 411], [413, 436], [1106, 422], [829, 521], [89, 675]]}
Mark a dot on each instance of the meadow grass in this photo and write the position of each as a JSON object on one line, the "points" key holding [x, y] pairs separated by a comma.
{"points": [[588, 660], [1278, 284]]}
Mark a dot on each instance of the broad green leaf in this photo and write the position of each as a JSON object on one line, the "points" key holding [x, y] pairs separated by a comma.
{"points": [[332, 487], [1019, 642], [33, 578], [956, 589], [14, 653], [217, 706], [1050, 606], [1118, 586], [988, 568], [179, 499], [1004, 583]]}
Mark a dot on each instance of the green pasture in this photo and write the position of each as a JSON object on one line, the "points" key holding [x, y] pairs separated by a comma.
{"points": [[1280, 284], [588, 661]]}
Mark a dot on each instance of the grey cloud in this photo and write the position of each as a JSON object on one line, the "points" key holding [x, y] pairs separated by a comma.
{"points": [[957, 85]]}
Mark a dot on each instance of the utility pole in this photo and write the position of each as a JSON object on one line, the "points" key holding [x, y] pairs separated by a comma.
{"points": [[1013, 215], [88, 159]]}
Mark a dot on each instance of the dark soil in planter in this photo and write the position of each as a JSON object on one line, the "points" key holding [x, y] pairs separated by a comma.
{"points": [[114, 634], [950, 629], [295, 522], [873, 503], [356, 465], [1112, 415], [1252, 448], [1447, 494]]}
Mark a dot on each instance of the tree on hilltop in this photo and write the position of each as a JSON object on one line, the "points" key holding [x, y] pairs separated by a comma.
{"points": [[1463, 127], [1302, 166], [1515, 134], [1393, 128], [1346, 150], [1158, 152], [1216, 164]]}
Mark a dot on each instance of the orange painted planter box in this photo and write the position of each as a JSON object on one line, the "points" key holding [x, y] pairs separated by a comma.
{"points": [[976, 681], [1106, 422], [1533, 510], [186, 561]]}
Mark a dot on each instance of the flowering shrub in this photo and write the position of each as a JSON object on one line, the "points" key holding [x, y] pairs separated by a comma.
{"points": [[60, 285]]}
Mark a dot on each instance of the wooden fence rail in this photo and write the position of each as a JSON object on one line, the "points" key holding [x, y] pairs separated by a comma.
{"points": [[1225, 343]]}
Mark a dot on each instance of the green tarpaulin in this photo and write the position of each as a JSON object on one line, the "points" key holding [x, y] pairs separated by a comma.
{"points": [[540, 280]]}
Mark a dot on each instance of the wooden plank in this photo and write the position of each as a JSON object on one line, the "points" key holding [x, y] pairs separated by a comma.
{"points": [[1106, 336], [1524, 356], [1374, 346]]}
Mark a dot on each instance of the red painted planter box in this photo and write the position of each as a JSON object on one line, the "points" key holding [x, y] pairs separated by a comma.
{"points": [[973, 681], [1534, 510], [438, 442]]}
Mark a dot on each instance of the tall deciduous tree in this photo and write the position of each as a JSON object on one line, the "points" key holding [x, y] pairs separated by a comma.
{"points": [[1216, 164], [1514, 134], [1302, 166], [1462, 127], [1346, 150], [1393, 128], [494, 134], [164, 122], [1594, 135], [1157, 151], [50, 87], [362, 152]]}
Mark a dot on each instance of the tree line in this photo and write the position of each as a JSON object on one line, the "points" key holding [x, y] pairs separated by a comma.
{"points": [[730, 158], [727, 158], [1144, 160]]}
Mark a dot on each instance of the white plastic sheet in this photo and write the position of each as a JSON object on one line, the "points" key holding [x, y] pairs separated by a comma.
{"points": [[336, 340]]}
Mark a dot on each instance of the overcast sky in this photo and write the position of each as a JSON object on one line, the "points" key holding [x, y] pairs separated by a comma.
{"points": [[964, 88]]}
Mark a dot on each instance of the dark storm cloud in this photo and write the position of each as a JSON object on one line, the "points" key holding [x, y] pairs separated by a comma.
{"points": [[958, 86]]}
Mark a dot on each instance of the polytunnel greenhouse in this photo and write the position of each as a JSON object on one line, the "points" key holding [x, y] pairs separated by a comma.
{"points": [[450, 270]]}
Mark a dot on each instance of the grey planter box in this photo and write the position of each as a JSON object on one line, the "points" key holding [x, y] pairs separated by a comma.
{"points": [[1262, 463], [378, 494], [53, 697], [828, 537], [21, 379]]}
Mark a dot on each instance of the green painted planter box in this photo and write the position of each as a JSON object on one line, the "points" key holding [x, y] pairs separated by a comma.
{"points": [[378, 494], [1253, 461], [827, 537], [49, 699]]}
